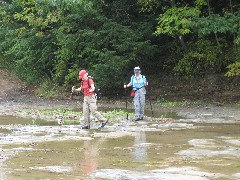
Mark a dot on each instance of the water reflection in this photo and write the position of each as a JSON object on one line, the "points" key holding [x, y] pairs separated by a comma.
{"points": [[91, 153], [2, 174], [140, 148]]}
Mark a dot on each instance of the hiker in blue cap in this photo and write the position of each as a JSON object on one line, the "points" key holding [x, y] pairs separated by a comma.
{"points": [[138, 82]]}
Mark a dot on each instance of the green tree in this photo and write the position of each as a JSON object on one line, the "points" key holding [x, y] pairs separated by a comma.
{"points": [[176, 21], [53, 40]]}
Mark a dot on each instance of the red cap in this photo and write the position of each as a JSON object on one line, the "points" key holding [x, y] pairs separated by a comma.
{"points": [[82, 73]]}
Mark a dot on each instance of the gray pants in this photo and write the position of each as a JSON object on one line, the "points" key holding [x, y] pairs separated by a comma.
{"points": [[90, 106], [139, 102]]}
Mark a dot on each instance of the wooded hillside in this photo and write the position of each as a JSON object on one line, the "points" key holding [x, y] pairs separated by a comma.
{"points": [[49, 41]]}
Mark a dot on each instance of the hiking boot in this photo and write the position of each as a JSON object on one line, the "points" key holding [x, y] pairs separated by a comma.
{"points": [[86, 127], [104, 123], [138, 119]]}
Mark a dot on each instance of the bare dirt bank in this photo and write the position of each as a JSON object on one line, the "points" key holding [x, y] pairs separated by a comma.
{"points": [[8, 82], [14, 96]]}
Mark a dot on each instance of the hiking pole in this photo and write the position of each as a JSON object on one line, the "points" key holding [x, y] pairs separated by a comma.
{"points": [[150, 105], [89, 117], [71, 96], [126, 99]]}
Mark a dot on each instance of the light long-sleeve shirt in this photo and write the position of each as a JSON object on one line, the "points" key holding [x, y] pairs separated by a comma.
{"points": [[138, 82]]}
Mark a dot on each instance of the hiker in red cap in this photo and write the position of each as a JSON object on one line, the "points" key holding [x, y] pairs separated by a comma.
{"points": [[90, 101]]}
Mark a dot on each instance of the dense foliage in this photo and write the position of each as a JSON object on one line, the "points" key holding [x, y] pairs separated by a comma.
{"points": [[51, 40]]}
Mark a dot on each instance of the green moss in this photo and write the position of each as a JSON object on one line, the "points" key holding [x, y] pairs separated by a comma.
{"points": [[4, 131]]}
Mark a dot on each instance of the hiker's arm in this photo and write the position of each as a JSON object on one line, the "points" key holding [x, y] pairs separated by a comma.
{"points": [[145, 81], [76, 90], [92, 88], [127, 85]]}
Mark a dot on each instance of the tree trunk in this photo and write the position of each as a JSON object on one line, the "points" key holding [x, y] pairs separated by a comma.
{"points": [[234, 35], [180, 37], [182, 43], [215, 34]]}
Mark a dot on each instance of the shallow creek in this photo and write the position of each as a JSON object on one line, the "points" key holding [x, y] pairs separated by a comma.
{"points": [[183, 149]]}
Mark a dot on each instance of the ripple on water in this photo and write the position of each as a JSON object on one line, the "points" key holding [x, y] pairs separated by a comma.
{"points": [[207, 148], [57, 169], [180, 173], [237, 175]]}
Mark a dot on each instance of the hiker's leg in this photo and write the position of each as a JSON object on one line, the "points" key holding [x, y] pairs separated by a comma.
{"points": [[137, 104], [86, 114], [142, 93], [142, 105], [93, 108]]}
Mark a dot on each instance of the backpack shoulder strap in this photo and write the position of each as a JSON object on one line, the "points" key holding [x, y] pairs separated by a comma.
{"points": [[89, 83]]}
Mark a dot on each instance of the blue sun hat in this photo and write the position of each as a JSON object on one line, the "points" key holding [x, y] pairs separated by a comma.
{"points": [[137, 69]]}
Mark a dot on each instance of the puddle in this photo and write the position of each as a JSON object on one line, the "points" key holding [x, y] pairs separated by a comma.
{"points": [[126, 150]]}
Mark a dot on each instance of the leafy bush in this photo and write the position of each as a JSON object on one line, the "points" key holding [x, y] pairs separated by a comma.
{"points": [[203, 56]]}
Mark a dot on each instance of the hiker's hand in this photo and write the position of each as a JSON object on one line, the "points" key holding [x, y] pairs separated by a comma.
{"points": [[91, 90], [125, 86], [73, 89]]}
